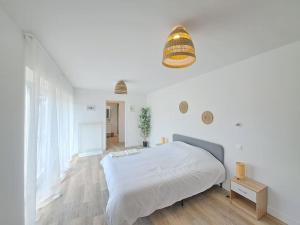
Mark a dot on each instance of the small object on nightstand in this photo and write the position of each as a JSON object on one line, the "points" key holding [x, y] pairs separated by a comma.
{"points": [[240, 170], [249, 195], [162, 140]]}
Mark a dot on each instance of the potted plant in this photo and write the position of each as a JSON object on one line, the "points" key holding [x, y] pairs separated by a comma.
{"points": [[145, 124]]}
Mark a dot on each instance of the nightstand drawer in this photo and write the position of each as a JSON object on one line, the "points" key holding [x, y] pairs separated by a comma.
{"points": [[247, 193]]}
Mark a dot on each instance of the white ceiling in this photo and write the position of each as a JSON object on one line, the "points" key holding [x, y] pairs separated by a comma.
{"points": [[98, 42]]}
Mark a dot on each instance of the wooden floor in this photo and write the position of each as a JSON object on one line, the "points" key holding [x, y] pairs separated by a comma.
{"points": [[113, 144], [84, 198]]}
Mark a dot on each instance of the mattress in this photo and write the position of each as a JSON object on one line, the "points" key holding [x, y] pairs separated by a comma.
{"points": [[156, 178]]}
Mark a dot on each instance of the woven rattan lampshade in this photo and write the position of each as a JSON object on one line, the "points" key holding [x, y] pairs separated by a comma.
{"points": [[179, 50], [121, 87]]}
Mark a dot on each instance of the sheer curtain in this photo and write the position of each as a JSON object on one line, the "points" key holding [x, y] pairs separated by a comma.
{"points": [[48, 127]]}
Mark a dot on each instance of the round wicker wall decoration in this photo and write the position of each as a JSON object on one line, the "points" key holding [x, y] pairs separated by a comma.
{"points": [[183, 107], [207, 117]]}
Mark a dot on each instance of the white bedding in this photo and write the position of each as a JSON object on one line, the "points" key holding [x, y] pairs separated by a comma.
{"points": [[156, 178]]}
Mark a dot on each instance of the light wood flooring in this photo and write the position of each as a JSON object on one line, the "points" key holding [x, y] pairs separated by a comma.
{"points": [[84, 198], [113, 144]]}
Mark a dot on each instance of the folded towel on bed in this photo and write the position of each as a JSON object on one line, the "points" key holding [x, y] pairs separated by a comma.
{"points": [[125, 152]]}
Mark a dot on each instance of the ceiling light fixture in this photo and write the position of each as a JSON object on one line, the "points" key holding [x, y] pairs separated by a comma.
{"points": [[179, 50], [121, 87]]}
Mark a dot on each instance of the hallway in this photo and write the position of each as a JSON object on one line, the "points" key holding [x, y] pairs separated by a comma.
{"points": [[113, 144]]}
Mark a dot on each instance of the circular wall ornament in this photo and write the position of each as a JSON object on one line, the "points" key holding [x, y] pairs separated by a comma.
{"points": [[207, 117], [183, 107]]}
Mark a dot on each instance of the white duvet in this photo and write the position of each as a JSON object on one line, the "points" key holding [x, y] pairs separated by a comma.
{"points": [[156, 178]]}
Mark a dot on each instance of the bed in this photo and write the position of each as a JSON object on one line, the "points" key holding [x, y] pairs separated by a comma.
{"points": [[160, 176]]}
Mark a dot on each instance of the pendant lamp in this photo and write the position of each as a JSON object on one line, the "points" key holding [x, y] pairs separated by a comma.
{"points": [[121, 87], [179, 51]]}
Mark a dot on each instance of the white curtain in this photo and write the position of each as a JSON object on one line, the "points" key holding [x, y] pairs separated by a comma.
{"points": [[48, 128]]}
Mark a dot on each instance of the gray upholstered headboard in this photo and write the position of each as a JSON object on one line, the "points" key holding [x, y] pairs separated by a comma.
{"points": [[214, 149]]}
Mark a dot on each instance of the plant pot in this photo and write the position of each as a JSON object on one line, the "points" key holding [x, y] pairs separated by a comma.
{"points": [[145, 144]]}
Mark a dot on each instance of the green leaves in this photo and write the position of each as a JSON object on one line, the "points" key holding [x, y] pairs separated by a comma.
{"points": [[145, 122]]}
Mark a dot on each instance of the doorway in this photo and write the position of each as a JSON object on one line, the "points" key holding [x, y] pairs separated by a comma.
{"points": [[115, 125]]}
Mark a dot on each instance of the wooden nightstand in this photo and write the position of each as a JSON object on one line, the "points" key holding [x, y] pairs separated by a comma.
{"points": [[249, 196]]}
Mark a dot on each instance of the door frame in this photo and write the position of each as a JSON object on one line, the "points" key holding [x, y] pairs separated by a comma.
{"points": [[105, 125]]}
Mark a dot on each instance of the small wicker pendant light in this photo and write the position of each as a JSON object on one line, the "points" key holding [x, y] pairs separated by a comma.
{"points": [[121, 87], [179, 50]]}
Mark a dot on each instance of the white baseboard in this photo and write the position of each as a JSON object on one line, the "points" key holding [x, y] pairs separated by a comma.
{"points": [[282, 216], [45, 202], [85, 154]]}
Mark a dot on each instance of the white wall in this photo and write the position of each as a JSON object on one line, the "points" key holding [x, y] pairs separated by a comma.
{"points": [[262, 93], [133, 103], [12, 123]]}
